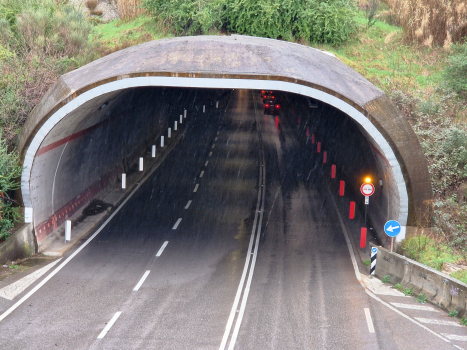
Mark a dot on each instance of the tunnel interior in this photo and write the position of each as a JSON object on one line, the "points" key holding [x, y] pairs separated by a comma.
{"points": [[86, 152]]}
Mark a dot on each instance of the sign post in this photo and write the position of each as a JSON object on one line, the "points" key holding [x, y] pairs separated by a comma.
{"points": [[374, 252], [392, 228], [367, 189]]}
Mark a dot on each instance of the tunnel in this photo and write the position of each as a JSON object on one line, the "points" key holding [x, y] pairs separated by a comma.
{"points": [[96, 122]]}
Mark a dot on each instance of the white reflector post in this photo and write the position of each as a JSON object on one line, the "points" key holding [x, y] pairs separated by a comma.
{"points": [[204, 108], [181, 119], [68, 231], [217, 104], [175, 125], [140, 163], [27, 215], [169, 133], [123, 180], [184, 113], [153, 151], [162, 141]]}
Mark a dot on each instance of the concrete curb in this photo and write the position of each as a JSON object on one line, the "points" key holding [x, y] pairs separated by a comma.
{"points": [[441, 289]]}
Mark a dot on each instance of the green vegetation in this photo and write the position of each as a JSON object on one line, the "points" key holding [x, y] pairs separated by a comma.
{"points": [[453, 313], [386, 279], [421, 298], [408, 291], [456, 71], [367, 262], [314, 21], [464, 321], [399, 286]]}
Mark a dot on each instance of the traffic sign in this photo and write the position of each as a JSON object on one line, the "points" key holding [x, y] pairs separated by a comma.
{"points": [[392, 228], [367, 189]]}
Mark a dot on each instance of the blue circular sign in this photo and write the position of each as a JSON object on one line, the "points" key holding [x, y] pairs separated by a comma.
{"points": [[374, 250], [392, 228]]}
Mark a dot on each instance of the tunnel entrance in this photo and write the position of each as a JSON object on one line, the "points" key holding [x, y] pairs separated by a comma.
{"points": [[93, 123]]}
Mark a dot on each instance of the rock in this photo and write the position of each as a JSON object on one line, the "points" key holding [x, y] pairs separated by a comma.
{"points": [[449, 268]]}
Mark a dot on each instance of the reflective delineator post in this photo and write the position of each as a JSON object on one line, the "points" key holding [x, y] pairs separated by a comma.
{"points": [[319, 147], [313, 139], [374, 253], [341, 188], [162, 141], [333, 171], [68, 231], [153, 151], [169, 133], [204, 108], [175, 125], [307, 132], [325, 157], [140, 163], [217, 104], [363, 237], [352, 210], [184, 113], [123, 181], [181, 118]]}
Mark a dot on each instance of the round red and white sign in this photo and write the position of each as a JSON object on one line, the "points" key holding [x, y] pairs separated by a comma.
{"points": [[367, 189]]}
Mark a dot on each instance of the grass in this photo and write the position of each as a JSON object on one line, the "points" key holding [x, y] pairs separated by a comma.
{"points": [[453, 313], [421, 298], [460, 275], [367, 262]]}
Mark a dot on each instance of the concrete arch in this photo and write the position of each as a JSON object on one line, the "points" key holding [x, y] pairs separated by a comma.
{"points": [[238, 62]]}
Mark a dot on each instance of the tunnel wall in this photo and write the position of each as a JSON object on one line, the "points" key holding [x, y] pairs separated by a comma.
{"points": [[90, 147]]}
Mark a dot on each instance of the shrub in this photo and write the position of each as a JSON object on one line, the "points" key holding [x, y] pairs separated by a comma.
{"points": [[456, 71], [431, 21]]}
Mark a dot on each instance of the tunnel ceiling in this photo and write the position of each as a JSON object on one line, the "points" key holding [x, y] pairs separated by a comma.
{"points": [[247, 63]]}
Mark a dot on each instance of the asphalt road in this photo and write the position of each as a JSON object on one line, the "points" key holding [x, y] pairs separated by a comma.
{"points": [[298, 289]]}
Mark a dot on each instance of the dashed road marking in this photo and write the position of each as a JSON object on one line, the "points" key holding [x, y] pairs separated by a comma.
{"points": [[207, 162], [215, 139], [202, 173], [439, 322], [109, 325], [177, 223], [369, 321], [414, 307], [196, 188], [159, 253], [210, 154], [188, 204], [213, 146], [455, 337], [141, 281]]}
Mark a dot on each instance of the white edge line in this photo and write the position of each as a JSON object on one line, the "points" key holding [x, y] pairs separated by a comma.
{"points": [[188, 204], [62, 265], [369, 321], [141, 281], [359, 278], [109, 325], [177, 223], [159, 253]]}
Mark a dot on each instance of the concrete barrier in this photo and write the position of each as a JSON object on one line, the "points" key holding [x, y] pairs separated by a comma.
{"points": [[439, 288], [19, 246]]}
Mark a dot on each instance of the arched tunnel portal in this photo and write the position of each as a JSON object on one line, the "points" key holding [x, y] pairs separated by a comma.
{"points": [[114, 106]]}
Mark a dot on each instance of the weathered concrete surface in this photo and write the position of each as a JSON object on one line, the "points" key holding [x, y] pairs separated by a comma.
{"points": [[250, 58], [19, 246], [439, 288]]}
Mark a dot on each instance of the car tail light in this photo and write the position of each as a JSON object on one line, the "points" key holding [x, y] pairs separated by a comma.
{"points": [[278, 106], [263, 92], [266, 105], [273, 97]]}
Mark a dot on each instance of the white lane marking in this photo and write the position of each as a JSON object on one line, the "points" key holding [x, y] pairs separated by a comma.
{"points": [[202, 173], [458, 347], [177, 223], [213, 146], [359, 278], [141, 281], [210, 154], [233, 340], [439, 322], [216, 139], [196, 188], [414, 307], [207, 162], [188, 204], [369, 321], [16, 288], [159, 253], [455, 337], [217, 132], [109, 325]]}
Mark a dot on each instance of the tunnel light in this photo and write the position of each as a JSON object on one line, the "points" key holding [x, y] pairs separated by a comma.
{"points": [[368, 180]]}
